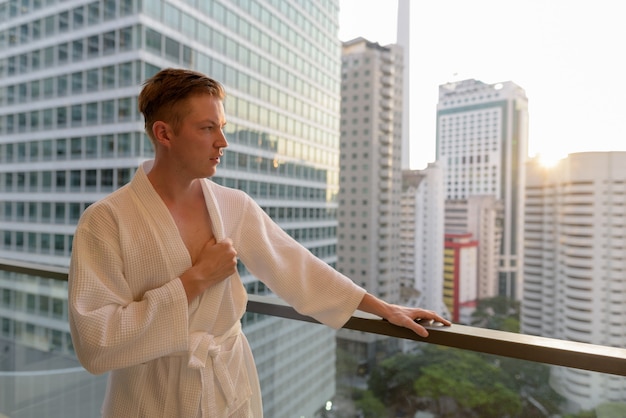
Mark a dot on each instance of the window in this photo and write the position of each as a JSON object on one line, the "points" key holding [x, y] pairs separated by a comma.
{"points": [[93, 80], [108, 77], [125, 77], [91, 142], [64, 18], [124, 148], [91, 177], [62, 53], [125, 38], [59, 209], [91, 116], [76, 148], [172, 49], [93, 12], [77, 82], [109, 9], [153, 41], [108, 42], [93, 46], [106, 181], [108, 111], [59, 244], [78, 17], [107, 146]]}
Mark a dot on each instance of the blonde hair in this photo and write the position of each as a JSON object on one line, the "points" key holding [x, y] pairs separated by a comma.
{"points": [[162, 94]]}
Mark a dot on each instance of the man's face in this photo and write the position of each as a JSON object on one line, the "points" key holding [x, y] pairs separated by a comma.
{"points": [[197, 144]]}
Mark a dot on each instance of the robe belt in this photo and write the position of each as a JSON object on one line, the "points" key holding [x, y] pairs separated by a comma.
{"points": [[203, 346]]}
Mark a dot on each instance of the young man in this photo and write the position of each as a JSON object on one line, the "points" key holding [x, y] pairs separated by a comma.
{"points": [[154, 294]]}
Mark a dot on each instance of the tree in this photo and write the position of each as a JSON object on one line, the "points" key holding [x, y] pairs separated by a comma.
{"points": [[499, 313], [474, 385], [392, 380], [532, 380], [370, 406]]}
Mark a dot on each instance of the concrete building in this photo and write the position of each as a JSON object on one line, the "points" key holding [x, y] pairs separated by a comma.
{"points": [[370, 172], [575, 287], [480, 216], [403, 39], [70, 134], [482, 136], [422, 238], [460, 279]]}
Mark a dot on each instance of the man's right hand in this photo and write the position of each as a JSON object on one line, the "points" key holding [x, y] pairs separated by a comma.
{"points": [[215, 262]]}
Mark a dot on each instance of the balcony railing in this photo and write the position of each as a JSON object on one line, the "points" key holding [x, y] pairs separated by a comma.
{"points": [[591, 357], [550, 351]]}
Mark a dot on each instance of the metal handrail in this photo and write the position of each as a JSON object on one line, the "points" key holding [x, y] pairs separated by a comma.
{"points": [[584, 356]]}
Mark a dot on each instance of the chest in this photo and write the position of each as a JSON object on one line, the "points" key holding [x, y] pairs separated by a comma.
{"points": [[194, 226]]}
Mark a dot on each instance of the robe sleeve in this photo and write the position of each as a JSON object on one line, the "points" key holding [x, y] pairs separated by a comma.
{"points": [[291, 271], [110, 329]]}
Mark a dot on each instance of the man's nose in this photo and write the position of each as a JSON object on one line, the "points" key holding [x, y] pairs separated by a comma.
{"points": [[223, 142]]}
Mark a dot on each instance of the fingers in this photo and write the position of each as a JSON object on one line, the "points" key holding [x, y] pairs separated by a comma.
{"points": [[417, 318], [431, 316], [418, 329]]}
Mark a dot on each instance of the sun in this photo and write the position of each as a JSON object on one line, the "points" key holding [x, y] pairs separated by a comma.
{"points": [[549, 161]]}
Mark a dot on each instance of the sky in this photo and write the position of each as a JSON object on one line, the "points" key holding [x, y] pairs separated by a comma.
{"points": [[568, 55]]}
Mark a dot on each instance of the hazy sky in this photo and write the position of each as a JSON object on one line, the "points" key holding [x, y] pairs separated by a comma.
{"points": [[568, 55]]}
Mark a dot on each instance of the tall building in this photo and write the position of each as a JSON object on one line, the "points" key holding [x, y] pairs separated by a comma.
{"points": [[482, 136], [460, 278], [70, 133], [403, 39], [370, 169], [422, 238], [481, 216], [574, 264]]}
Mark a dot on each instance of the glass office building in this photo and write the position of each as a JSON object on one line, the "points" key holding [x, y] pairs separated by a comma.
{"points": [[70, 133]]}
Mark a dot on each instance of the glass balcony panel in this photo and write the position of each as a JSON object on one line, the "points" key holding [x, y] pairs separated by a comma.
{"points": [[309, 370]]}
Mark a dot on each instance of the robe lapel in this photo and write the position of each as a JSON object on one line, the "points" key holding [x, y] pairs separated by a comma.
{"points": [[214, 212], [161, 220]]}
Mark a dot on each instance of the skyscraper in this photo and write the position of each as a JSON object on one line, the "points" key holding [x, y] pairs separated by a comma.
{"points": [[422, 237], [370, 168], [70, 134], [403, 38], [482, 136], [480, 215], [574, 287]]}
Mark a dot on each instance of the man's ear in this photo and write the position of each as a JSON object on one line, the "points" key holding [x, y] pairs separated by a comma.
{"points": [[161, 132]]}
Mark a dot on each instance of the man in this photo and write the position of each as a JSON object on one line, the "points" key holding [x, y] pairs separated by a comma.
{"points": [[154, 294]]}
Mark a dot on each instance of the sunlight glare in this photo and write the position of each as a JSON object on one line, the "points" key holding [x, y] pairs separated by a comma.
{"points": [[549, 161]]}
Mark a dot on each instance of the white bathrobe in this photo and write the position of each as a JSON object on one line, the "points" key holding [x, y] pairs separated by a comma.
{"points": [[129, 314]]}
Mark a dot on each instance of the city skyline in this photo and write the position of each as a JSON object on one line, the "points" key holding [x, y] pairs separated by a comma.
{"points": [[567, 72]]}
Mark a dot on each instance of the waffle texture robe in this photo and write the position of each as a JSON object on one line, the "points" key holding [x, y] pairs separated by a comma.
{"points": [[129, 313]]}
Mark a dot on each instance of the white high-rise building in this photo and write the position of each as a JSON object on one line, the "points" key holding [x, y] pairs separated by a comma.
{"points": [[575, 264], [370, 173], [422, 237], [370, 180], [482, 136], [70, 133]]}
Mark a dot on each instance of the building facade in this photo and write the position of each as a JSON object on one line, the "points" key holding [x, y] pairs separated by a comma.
{"points": [[575, 287], [422, 238], [370, 172], [460, 278], [70, 133], [482, 136], [481, 216]]}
